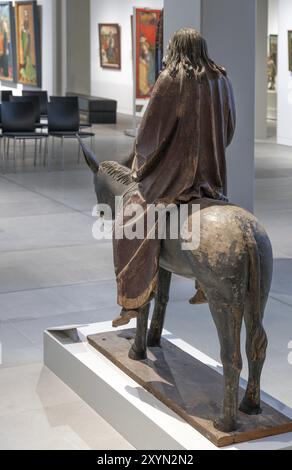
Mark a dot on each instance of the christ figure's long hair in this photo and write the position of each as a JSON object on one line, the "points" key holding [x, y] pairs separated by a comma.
{"points": [[188, 50]]}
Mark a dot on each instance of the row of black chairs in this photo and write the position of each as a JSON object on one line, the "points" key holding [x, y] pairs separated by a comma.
{"points": [[22, 119], [41, 101], [7, 95]]}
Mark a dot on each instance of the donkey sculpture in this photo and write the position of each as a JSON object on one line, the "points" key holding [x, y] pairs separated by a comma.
{"points": [[233, 264]]}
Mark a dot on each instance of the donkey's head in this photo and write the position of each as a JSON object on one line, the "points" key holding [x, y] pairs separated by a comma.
{"points": [[110, 178]]}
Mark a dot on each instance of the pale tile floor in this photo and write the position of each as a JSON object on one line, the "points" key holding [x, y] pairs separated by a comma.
{"points": [[52, 273]]}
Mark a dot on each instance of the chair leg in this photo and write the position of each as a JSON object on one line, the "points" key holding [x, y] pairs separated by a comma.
{"points": [[79, 153], [44, 159], [2, 155], [8, 151], [53, 148], [5, 154], [63, 154], [35, 152], [24, 150], [46, 153], [14, 154], [49, 156]]}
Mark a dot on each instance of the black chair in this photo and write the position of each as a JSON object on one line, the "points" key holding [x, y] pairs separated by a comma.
{"points": [[43, 96], [35, 100], [63, 123], [18, 124], [70, 99], [5, 95]]}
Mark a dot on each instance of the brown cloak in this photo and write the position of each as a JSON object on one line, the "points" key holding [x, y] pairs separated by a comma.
{"points": [[179, 155]]}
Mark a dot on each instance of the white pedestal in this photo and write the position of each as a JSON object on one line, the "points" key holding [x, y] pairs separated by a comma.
{"points": [[137, 415]]}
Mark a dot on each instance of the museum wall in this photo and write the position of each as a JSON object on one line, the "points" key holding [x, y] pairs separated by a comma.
{"points": [[115, 84], [273, 16], [49, 45], [272, 30], [78, 46], [229, 27], [176, 17], [284, 75]]}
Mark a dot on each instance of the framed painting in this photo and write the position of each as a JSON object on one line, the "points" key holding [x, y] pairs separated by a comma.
{"points": [[272, 62], [146, 39], [7, 43], [28, 44], [290, 50], [110, 46]]}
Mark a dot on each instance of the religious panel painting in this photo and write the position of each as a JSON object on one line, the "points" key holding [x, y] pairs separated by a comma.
{"points": [[147, 22], [7, 43], [110, 46], [28, 44]]}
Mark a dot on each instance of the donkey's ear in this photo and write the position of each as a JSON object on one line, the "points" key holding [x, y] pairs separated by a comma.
{"points": [[89, 156]]}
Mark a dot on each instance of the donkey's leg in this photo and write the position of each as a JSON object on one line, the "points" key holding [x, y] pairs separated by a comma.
{"points": [[256, 345], [138, 350], [161, 301], [256, 339], [228, 320]]}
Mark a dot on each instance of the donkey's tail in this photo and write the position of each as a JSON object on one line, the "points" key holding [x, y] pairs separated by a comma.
{"points": [[255, 331]]}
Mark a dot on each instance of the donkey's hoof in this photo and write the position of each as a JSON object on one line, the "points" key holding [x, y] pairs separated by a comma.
{"points": [[137, 355], [250, 408], [224, 425]]}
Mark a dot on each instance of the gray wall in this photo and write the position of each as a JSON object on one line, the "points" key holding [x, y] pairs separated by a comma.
{"points": [[180, 14], [78, 46], [229, 27]]}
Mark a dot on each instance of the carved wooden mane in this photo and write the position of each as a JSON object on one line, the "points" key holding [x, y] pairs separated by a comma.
{"points": [[118, 172]]}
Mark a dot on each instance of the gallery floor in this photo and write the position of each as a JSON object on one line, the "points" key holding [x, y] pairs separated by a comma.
{"points": [[52, 272]]}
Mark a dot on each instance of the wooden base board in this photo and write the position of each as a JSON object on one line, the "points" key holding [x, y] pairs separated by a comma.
{"points": [[189, 388]]}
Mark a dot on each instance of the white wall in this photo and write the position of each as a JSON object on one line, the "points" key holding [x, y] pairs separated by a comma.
{"points": [[113, 83], [48, 38], [229, 27], [273, 16], [284, 76]]}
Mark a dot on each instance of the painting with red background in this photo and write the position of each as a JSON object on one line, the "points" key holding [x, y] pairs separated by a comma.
{"points": [[146, 34]]}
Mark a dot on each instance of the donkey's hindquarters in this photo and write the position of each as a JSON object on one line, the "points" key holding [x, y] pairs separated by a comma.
{"points": [[234, 266]]}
